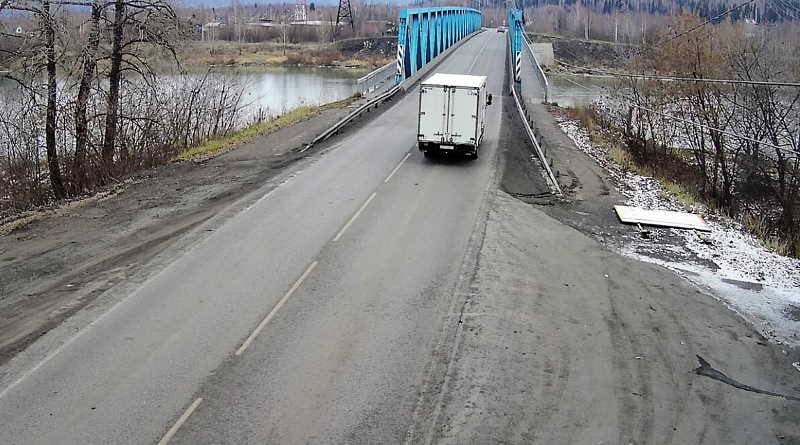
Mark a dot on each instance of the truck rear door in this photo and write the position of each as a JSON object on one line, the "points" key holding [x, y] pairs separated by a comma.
{"points": [[432, 113], [463, 117]]}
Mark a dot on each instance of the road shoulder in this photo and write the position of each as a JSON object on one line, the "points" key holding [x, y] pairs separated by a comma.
{"points": [[565, 341]]}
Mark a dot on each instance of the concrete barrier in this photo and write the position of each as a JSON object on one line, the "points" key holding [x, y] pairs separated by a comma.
{"points": [[544, 54]]}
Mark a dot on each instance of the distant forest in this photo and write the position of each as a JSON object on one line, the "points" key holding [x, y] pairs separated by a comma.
{"points": [[759, 10]]}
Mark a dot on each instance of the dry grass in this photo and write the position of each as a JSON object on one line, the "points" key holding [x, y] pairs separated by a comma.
{"points": [[200, 54], [587, 118], [621, 157], [680, 192], [217, 146], [759, 227]]}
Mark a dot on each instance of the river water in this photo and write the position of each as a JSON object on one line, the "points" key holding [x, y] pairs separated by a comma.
{"points": [[280, 89], [276, 90], [569, 90]]}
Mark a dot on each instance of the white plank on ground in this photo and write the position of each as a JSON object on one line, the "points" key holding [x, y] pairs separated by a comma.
{"points": [[664, 218]]}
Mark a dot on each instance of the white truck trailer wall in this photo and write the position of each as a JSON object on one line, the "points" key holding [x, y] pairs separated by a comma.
{"points": [[433, 113]]}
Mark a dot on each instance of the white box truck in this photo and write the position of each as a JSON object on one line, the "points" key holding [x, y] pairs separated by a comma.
{"points": [[452, 108]]}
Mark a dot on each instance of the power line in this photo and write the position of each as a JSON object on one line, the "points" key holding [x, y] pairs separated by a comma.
{"points": [[727, 133]]}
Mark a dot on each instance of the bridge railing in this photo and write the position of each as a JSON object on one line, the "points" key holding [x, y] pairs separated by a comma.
{"points": [[377, 79], [424, 33], [538, 85], [520, 77]]}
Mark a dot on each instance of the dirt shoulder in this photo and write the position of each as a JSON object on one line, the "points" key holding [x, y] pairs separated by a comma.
{"points": [[565, 340], [53, 267]]}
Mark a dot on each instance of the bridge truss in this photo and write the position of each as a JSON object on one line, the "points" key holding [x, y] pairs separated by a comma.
{"points": [[424, 33]]}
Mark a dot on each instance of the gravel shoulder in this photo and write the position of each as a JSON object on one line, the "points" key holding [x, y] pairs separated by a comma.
{"points": [[55, 266]]}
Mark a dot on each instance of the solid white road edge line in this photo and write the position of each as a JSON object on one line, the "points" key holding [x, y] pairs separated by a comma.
{"points": [[263, 198], [165, 440], [275, 309], [396, 168], [346, 226]]}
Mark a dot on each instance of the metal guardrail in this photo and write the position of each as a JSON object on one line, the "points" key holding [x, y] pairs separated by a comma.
{"points": [[375, 79], [539, 152], [539, 70], [356, 113], [402, 86]]}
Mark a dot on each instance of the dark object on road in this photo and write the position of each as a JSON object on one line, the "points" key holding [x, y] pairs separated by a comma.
{"points": [[705, 369]]}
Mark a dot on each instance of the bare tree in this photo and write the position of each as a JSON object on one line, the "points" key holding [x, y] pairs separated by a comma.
{"points": [[89, 60], [156, 23]]}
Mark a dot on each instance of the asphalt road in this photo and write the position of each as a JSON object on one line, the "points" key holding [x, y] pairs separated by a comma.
{"points": [[309, 317]]}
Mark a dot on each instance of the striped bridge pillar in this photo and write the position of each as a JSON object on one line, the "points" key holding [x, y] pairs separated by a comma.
{"points": [[400, 73]]}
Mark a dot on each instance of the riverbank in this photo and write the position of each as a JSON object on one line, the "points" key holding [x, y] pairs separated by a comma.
{"points": [[351, 54], [743, 270], [580, 56], [85, 253], [220, 145]]}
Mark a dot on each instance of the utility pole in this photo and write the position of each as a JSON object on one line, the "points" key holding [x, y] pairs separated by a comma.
{"points": [[343, 14]]}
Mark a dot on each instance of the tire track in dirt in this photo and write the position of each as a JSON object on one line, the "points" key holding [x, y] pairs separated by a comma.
{"points": [[84, 286]]}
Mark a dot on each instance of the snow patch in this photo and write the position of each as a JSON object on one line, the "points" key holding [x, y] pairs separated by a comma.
{"points": [[756, 282]]}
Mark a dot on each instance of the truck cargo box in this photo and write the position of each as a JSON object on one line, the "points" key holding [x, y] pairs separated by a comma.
{"points": [[452, 108]]}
